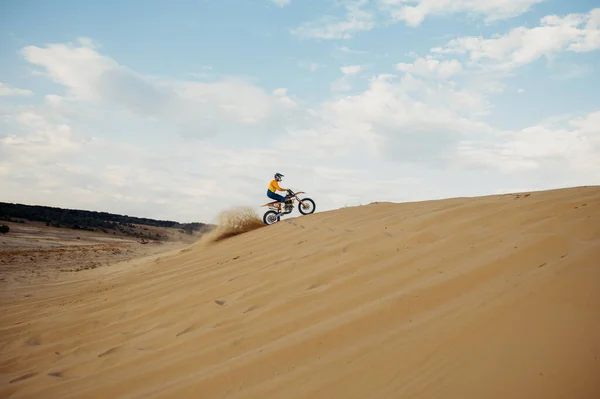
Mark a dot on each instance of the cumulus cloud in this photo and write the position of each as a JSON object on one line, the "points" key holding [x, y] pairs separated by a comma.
{"points": [[356, 19], [470, 69], [71, 169], [522, 45], [349, 75], [45, 142], [365, 15], [348, 51], [404, 119], [196, 107], [431, 68], [284, 97], [413, 12], [7, 91], [351, 69], [574, 147]]}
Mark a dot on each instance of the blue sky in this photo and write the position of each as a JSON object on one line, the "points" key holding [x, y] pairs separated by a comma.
{"points": [[181, 109]]}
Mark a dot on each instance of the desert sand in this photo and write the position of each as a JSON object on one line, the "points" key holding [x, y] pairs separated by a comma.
{"points": [[36, 250], [488, 297]]}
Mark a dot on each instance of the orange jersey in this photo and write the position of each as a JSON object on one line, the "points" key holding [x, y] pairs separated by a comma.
{"points": [[274, 186]]}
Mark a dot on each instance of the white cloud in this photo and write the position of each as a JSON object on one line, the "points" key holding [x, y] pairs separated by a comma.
{"points": [[46, 142], [196, 107], [356, 19], [364, 15], [43, 157], [406, 119], [281, 3], [521, 46], [282, 94], [347, 50], [575, 147], [361, 15], [491, 60], [413, 12], [341, 84], [349, 73], [430, 67], [7, 91], [351, 69], [311, 66]]}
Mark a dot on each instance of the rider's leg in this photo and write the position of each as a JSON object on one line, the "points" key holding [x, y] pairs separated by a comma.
{"points": [[275, 196]]}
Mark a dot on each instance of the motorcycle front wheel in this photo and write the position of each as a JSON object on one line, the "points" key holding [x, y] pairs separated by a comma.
{"points": [[308, 207]]}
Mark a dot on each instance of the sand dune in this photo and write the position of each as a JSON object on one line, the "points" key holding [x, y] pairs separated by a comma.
{"points": [[489, 297]]}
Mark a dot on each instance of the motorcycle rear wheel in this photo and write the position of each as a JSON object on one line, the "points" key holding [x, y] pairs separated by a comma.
{"points": [[271, 217]]}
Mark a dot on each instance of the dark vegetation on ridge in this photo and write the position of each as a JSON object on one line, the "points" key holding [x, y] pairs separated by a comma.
{"points": [[90, 220]]}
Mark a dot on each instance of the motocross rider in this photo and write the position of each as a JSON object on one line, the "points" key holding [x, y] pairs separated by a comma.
{"points": [[274, 187]]}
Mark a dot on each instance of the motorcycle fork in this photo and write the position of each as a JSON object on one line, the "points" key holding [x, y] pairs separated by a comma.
{"points": [[300, 201]]}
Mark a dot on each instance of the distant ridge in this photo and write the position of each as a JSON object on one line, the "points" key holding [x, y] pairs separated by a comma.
{"points": [[88, 220]]}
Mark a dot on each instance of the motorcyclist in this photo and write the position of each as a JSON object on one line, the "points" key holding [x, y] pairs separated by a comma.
{"points": [[274, 187]]}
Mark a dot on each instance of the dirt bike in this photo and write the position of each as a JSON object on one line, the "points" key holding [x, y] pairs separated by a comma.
{"points": [[277, 209]]}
